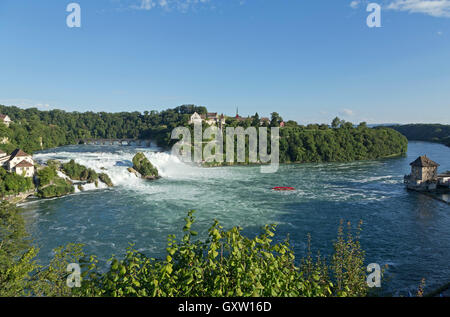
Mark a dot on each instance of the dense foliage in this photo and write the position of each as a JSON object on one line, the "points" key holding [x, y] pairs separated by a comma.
{"points": [[16, 254], [20, 275], [13, 184], [226, 264], [79, 172], [46, 175], [57, 127], [59, 187], [31, 135], [51, 185], [144, 167], [229, 264], [346, 143], [321, 143], [425, 132], [311, 143]]}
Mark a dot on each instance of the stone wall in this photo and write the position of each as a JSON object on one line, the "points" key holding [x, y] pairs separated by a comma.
{"points": [[429, 173], [424, 173]]}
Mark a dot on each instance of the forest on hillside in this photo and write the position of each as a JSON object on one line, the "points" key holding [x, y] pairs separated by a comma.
{"points": [[34, 130], [58, 127], [439, 133], [342, 144]]}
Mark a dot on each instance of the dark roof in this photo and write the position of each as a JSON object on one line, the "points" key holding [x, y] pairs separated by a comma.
{"points": [[3, 116], [18, 152], [24, 163], [424, 161]]}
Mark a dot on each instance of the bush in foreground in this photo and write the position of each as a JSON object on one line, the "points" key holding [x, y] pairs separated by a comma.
{"points": [[229, 264], [226, 264]]}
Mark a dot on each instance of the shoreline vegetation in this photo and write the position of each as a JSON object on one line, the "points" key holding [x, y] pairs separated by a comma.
{"points": [[50, 184], [225, 264], [225, 164], [47, 183], [343, 143], [437, 133]]}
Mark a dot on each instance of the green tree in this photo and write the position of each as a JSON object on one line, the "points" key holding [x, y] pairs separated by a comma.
{"points": [[16, 254], [275, 119], [336, 123], [256, 120]]}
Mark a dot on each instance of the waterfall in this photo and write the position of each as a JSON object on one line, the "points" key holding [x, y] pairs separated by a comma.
{"points": [[116, 162]]}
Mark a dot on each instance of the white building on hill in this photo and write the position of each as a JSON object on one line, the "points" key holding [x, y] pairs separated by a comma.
{"points": [[5, 119], [195, 118], [211, 118]]}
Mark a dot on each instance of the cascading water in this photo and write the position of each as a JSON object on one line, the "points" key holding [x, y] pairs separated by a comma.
{"points": [[115, 164]]}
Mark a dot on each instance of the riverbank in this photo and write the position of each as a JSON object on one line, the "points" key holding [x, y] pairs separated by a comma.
{"points": [[16, 199], [437, 133], [223, 164], [55, 179]]}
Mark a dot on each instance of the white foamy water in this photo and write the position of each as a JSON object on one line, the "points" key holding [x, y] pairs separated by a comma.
{"points": [[115, 165]]}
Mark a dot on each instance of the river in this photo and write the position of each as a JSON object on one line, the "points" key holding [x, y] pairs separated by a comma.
{"points": [[407, 231]]}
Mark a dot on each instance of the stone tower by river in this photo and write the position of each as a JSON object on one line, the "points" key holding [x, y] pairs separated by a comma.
{"points": [[423, 174]]}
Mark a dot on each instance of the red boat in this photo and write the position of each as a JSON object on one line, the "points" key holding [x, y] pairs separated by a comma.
{"points": [[283, 188]]}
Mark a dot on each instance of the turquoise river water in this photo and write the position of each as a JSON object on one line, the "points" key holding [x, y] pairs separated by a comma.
{"points": [[407, 231]]}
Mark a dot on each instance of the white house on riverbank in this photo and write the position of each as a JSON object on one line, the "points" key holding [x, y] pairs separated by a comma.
{"points": [[18, 162]]}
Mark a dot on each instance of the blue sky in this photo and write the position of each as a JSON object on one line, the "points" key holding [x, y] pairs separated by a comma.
{"points": [[307, 60]]}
